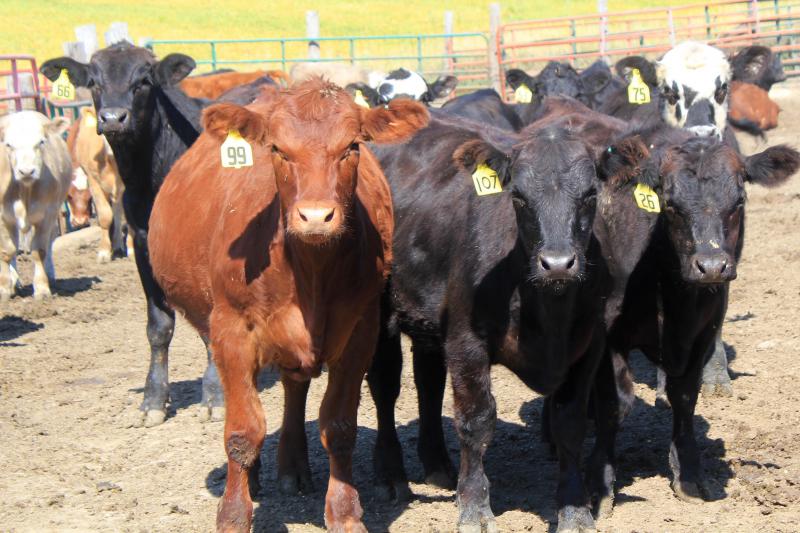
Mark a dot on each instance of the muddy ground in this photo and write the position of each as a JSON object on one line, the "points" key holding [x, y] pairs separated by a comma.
{"points": [[72, 368]]}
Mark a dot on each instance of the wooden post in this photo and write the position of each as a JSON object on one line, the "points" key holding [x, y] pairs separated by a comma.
{"points": [[447, 62], [494, 46], [602, 8], [88, 36], [312, 32], [117, 31], [76, 50]]}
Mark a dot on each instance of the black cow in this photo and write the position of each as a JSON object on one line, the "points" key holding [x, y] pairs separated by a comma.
{"points": [[515, 278], [485, 106], [402, 83], [149, 123], [757, 65], [591, 86]]}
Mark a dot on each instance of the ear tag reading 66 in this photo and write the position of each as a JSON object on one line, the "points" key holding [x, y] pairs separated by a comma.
{"points": [[638, 91], [486, 180], [62, 87], [235, 151], [523, 95], [359, 99], [646, 198]]}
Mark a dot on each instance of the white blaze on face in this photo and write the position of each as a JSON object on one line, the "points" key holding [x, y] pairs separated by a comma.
{"points": [[694, 77], [79, 179], [24, 136], [403, 83]]}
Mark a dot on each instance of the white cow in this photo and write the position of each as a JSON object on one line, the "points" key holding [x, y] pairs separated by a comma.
{"points": [[35, 172]]}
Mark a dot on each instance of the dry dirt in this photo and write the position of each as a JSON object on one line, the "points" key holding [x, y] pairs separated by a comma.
{"points": [[72, 368]]}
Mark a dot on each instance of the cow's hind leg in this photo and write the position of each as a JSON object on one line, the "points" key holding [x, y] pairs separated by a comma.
{"points": [[212, 404], [8, 253], [294, 472], [245, 428], [716, 380], [384, 385], [43, 269]]}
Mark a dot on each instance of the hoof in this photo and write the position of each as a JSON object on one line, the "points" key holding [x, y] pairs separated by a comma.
{"points": [[689, 491], [212, 414], [484, 526], [604, 506], [154, 417], [441, 479], [42, 294], [575, 520], [293, 485], [103, 256], [348, 527], [394, 492], [719, 390]]}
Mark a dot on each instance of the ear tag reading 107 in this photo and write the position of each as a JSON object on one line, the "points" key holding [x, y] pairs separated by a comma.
{"points": [[646, 198], [638, 91], [235, 151], [486, 180], [62, 88], [359, 99], [523, 95]]}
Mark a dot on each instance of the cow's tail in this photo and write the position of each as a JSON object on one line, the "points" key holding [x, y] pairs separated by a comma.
{"points": [[280, 77], [748, 126]]}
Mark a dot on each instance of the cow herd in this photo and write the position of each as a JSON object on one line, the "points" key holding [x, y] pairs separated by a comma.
{"points": [[305, 222]]}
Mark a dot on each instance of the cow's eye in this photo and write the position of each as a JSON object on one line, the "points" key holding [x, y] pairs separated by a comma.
{"points": [[279, 153], [721, 93], [519, 201], [41, 143], [351, 150]]}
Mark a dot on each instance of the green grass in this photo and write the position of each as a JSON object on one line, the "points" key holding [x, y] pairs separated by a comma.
{"points": [[38, 27]]}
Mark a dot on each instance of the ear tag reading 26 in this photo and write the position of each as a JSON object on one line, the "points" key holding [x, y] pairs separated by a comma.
{"points": [[486, 180], [359, 99], [62, 88], [235, 151], [523, 95], [646, 198], [638, 91]]}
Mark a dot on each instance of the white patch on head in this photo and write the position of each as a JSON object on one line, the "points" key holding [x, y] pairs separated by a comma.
{"points": [[414, 86], [375, 77], [80, 180], [23, 134]]}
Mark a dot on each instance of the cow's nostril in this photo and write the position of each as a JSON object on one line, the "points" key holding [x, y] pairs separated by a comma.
{"points": [[302, 216], [700, 267], [122, 116], [723, 267], [329, 217], [571, 263], [545, 264]]}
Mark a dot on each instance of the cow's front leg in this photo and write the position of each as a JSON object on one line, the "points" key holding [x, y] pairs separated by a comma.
{"points": [[43, 269], [212, 402], [716, 380], [294, 472], [8, 252], [475, 417], [245, 428]]}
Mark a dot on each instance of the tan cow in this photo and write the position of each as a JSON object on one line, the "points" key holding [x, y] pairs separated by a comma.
{"points": [[94, 167], [35, 173]]}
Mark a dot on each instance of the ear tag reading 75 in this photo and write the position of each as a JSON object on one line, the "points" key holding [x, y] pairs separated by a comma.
{"points": [[359, 99], [486, 180], [523, 95], [646, 198], [62, 88], [638, 91], [235, 151]]}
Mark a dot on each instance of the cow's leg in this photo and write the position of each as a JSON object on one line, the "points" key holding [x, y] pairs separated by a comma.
{"points": [[430, 376], [212, 403], [338, 423], [105, 218], [8, 253], [40, 248], [568, 413], [160, 327], [245, 428], [294, 472], [684, 455], [475, 417], [119, 246], [384, 385], [716, 380]]}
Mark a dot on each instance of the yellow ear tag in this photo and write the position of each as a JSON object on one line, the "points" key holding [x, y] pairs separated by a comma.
{"points": [[523, 95], [638, 91], [62, 88], [646, 198], [90, 120], [359, 99], [235, 152], [486, 180]]}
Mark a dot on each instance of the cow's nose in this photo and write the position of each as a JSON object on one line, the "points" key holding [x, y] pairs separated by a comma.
{"points": [[557, 265], [316, 215], [113, 117], [704, 131], [712, 268], [26, 172]]}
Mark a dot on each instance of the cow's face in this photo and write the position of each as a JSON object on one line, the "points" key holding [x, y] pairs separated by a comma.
{"points": [[402, 83], [693, 79], [558, 79], [316, 136], [26, 135], [122, 79], [703, 195], [79, 199]]}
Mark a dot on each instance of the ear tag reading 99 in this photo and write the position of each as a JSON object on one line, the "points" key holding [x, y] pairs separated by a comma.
{"points": [[646, 198], [359, 99], [235, 152], [62, 88], [486, 180], [523, 95], [638, 91]]}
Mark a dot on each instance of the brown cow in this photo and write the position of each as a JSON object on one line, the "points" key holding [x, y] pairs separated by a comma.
{"points": [[751, 108], [212, 86], [94, 166], [285, 268]]}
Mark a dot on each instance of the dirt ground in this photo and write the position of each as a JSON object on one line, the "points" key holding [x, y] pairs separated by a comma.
{"points": [[72, 368]]}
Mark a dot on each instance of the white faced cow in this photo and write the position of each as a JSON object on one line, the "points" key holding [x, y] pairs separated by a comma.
{"points": [[35, 173]]}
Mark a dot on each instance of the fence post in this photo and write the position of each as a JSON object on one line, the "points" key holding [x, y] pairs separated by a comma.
{"points": [[87, 34], [602, 8], [117, 32], [447, 62], [671, 24], [494, 47], [312, 32]]}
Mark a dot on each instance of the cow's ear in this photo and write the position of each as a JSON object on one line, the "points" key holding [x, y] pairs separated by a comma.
{"points": [[750, 62], [220, 119], [478, 152], [173, 68], [442, 87], [368, 94], [594, 81], [624, 161], [647, 69], [58, 125], [773, 166], [78, 72], [394, 122], [516, 77]]}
